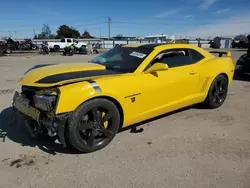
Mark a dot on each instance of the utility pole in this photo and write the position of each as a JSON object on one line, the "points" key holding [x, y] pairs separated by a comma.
{"points": [[34, 32], [15, 35], [109, 21]]}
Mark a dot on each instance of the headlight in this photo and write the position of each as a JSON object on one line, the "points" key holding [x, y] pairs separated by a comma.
{"points": [[44, 102]]}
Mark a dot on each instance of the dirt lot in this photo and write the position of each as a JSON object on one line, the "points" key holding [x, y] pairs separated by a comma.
{"points": [[189, 149]]}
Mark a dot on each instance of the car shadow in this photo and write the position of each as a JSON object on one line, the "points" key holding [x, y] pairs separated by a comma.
{"points": [[12, 127], [137, 125]]}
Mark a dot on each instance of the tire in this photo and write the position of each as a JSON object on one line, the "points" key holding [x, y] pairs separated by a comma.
{"points": [[216, 93], [56, 48], [79, 135], [8, 50]]}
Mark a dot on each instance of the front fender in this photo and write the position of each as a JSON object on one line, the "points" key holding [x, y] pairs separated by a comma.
{"points": [[73, 95]]}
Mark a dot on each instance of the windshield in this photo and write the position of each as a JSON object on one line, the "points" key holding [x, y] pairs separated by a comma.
{"points": [[122, 59]]}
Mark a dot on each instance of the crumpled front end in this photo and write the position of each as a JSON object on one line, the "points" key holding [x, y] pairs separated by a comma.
{"points": [[38, 107]]}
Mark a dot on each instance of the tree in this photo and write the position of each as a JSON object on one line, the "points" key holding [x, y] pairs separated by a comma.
{"points": [[86, 35], [45, 34], [4, 38], [46, 30], [64, 31]]}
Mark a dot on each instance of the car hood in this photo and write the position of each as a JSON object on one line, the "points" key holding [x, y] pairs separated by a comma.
{"points": [[49, 75]]}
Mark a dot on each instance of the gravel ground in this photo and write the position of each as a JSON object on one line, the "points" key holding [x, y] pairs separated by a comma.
{"points": [[193, 148]]}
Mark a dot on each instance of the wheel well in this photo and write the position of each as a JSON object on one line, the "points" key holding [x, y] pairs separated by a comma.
{"points": [[224, 74], [221, 74], [56, 47], [117, 104]]}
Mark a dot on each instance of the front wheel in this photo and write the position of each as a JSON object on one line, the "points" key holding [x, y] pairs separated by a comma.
{"points": [[93, 125], [217, 93]]}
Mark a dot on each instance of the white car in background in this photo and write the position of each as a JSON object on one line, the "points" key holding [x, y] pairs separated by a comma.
{"points": [[57, 46]]}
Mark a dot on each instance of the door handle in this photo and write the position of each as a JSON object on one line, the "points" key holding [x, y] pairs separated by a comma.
{"points": [[192, 72]]}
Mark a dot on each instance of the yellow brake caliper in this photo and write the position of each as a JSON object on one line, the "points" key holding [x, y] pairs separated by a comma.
{"points": [[105, 124]]}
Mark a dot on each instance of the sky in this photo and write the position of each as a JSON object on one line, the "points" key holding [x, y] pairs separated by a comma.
{"points": [[186, 18]]}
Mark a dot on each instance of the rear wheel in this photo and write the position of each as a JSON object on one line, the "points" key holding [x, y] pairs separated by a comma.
{"points": [[93, 125], [217, 93]]}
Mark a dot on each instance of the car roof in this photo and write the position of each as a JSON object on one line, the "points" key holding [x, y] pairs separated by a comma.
{"points": [[153, 46], [144, 45], [163, 46]]}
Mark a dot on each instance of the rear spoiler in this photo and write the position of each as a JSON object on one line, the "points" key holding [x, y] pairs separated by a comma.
{"points": [[221, 52]]}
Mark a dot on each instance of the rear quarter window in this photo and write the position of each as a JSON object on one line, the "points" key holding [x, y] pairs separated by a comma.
{"points": [[196, 56]]}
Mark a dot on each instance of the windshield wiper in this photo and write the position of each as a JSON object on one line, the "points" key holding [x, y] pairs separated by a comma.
{"points": [[112, 68]]}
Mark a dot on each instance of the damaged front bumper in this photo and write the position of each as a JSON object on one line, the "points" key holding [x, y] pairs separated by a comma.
{"points": [[46, 123]]}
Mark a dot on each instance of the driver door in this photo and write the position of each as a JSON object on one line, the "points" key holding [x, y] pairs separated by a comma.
{"points": [[171, 89]]}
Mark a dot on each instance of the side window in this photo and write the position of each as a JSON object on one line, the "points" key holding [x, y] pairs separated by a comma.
{"points": [[175, 58], [62, 40], [196, 56], [69, 40]]}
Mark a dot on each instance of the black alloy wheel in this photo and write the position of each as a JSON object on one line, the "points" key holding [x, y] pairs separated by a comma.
{"points": [[93, 125], [217, 93]]}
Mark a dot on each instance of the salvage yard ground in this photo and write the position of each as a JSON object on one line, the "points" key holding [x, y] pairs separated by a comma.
{"points": [[193, 148]]}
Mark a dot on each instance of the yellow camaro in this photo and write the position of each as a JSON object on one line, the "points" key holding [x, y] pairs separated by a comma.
{"points": [[85, 104]]}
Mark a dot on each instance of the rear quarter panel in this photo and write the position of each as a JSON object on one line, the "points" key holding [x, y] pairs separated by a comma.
{"points": [[213, 67]]}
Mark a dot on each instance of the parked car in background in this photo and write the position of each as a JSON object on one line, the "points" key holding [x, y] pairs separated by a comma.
{"points": [[57, 46], [242, 68], [239, 44]]}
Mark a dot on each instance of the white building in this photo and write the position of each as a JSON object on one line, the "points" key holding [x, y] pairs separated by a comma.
{"points": [[160, 38]]}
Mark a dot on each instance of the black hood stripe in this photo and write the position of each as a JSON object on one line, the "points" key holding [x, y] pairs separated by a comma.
{"points": [[95, 86], [37, 66], [74, 75]]}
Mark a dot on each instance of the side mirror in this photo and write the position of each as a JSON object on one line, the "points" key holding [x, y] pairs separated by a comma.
{"points": [[157, 67]]}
